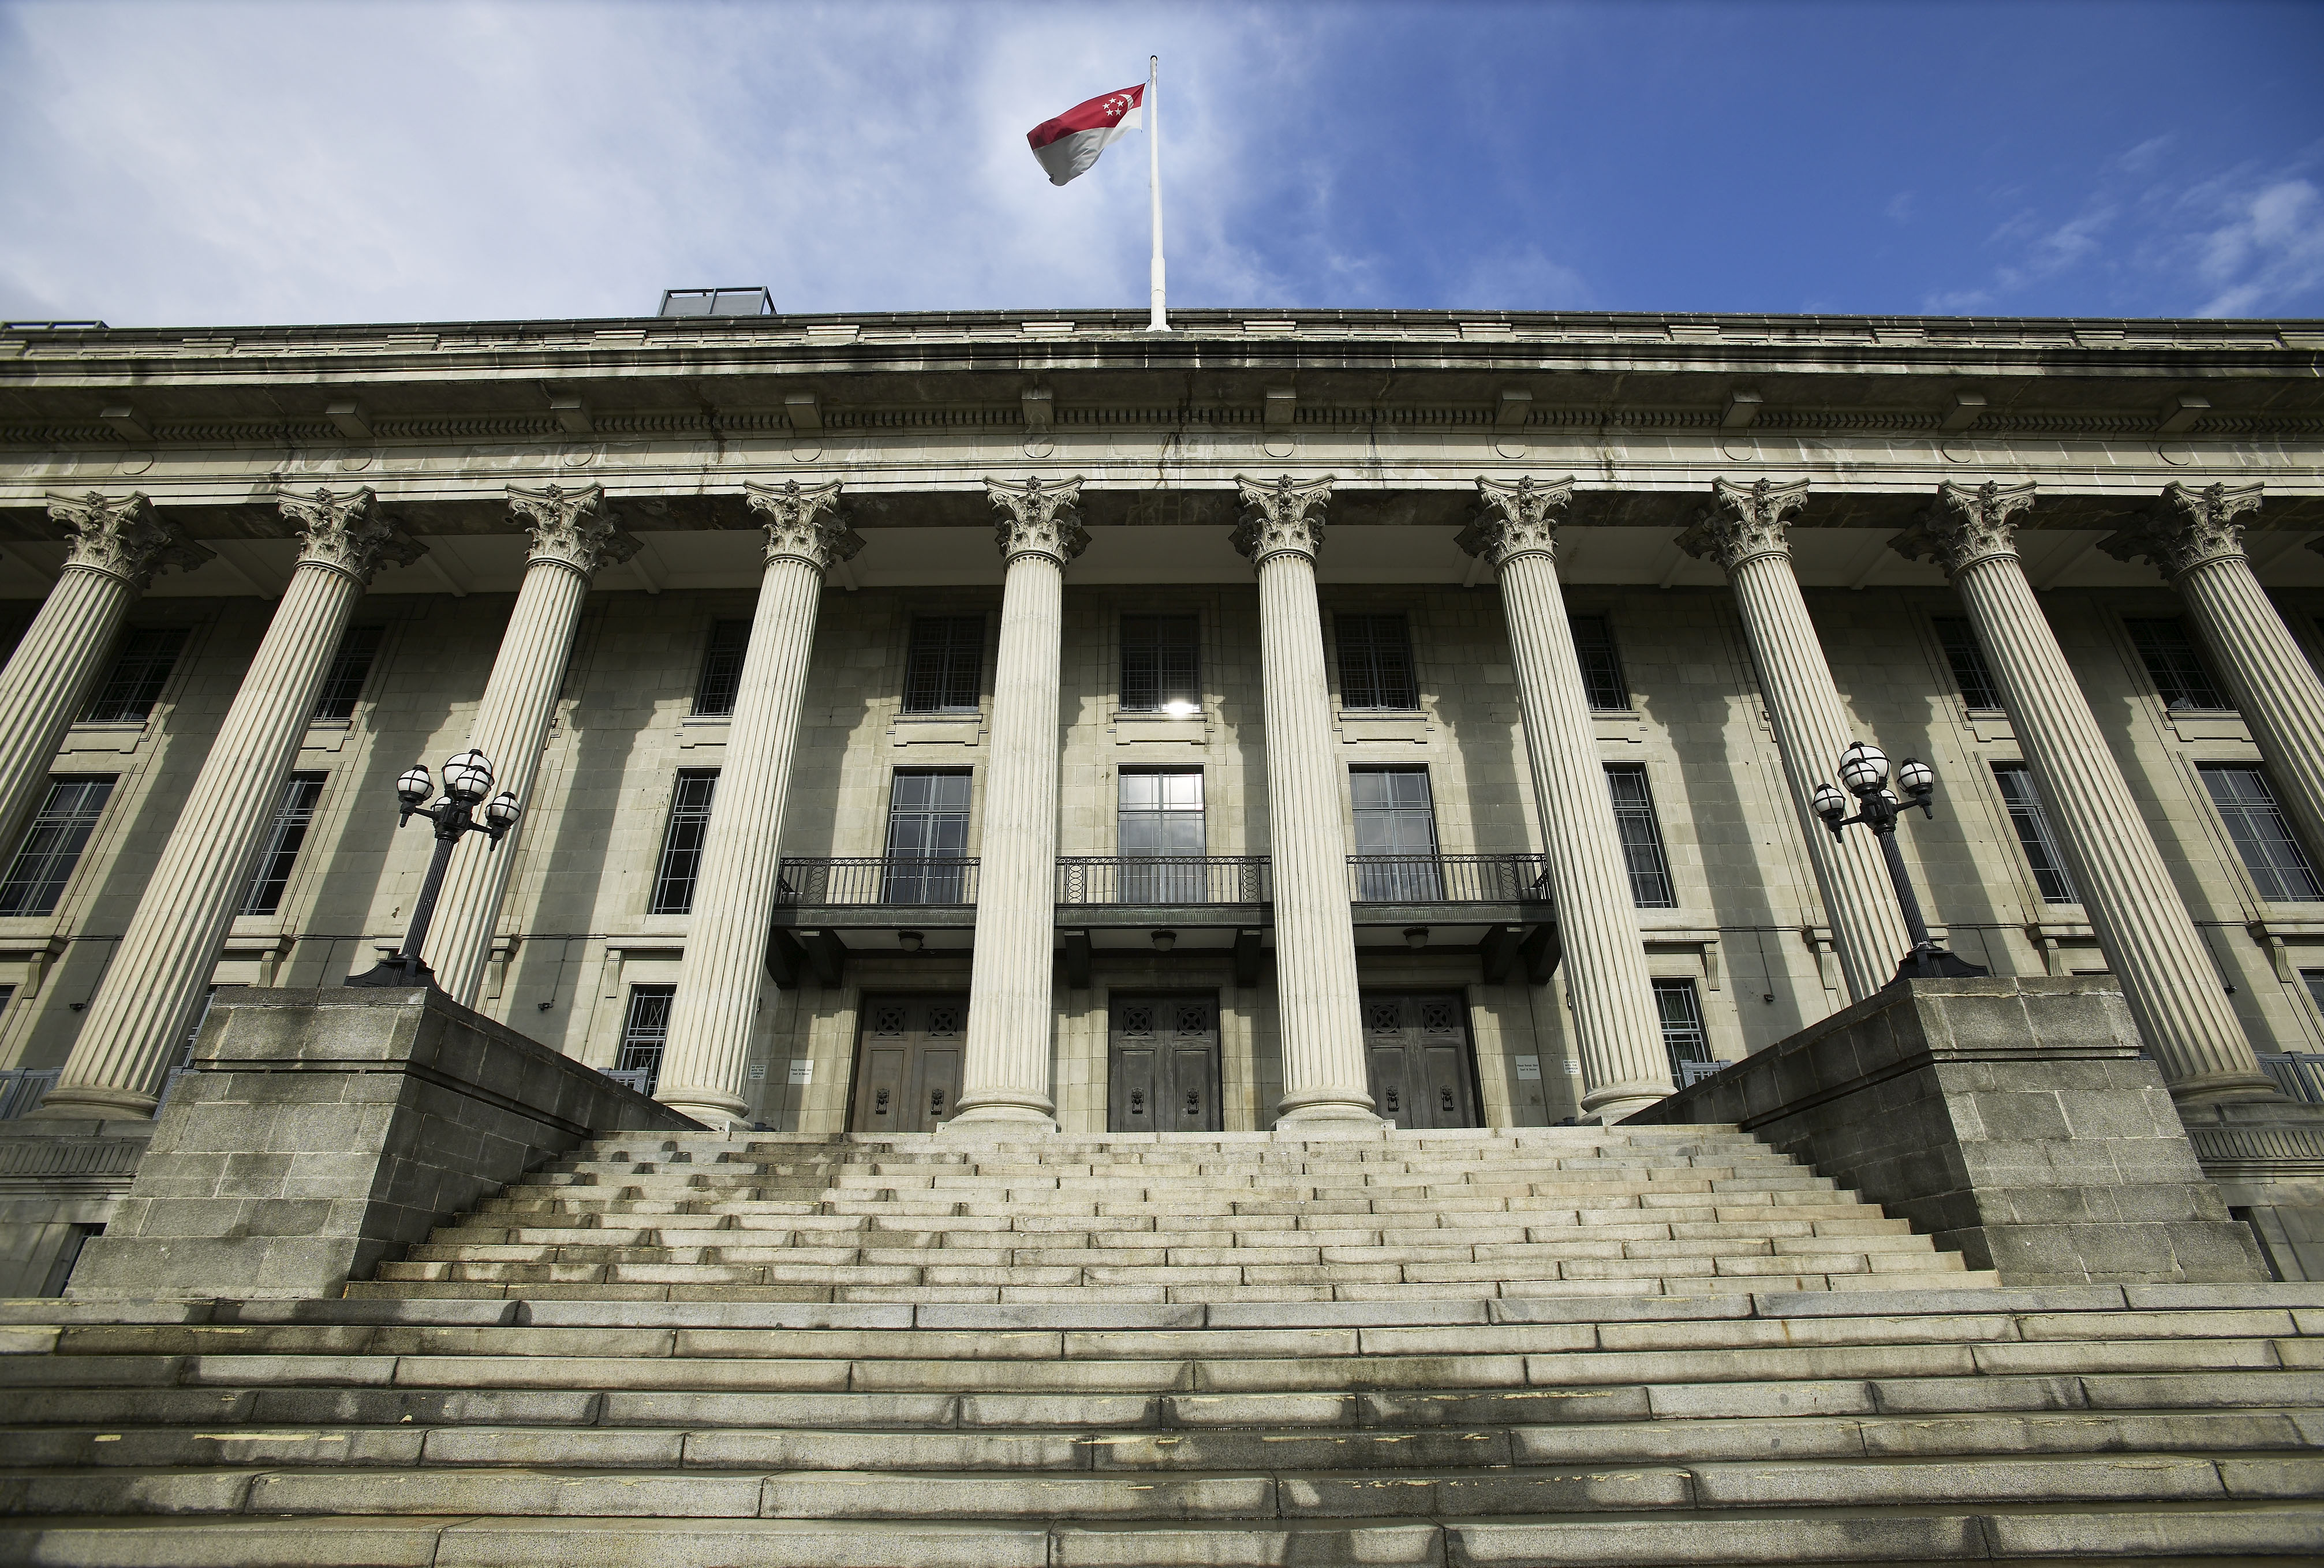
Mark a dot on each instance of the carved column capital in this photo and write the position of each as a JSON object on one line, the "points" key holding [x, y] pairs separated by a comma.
{"points": [[802, 523], [1516, 520], [1281, 516], [575, 528], [122, 538], [1967, 524], [1040, 520], [2192, 528], [1744, 521], [344, 532]]}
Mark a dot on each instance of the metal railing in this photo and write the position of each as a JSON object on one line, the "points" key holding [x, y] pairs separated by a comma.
{"points": [[1696, 1071], [1448, 879], [877, 880], [1215, 878], [21, 1089], [2299, 1074]]}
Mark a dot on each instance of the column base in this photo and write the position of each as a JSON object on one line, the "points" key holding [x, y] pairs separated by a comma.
{"points": [[93, 1102], [1605, 1106], [2215, 1086], [715, 1110], [999, 1118], [1327, 1110]]}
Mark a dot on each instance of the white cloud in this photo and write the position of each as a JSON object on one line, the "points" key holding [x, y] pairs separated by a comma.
{"points": [[2269, 252]]}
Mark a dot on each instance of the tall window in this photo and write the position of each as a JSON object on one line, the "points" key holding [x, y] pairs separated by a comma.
{"points": [[1375, 662], [293, 815], [1395, 832], [2015, 782], [1683, 1036], [2270, 854], [52, 844], [1601, 667], [645, 1030], [1160, 664], [927, 838], [722, 669], [342, 683], [140, 670], [1651, 887], [2181, 676], [1161, 815], [681, 840], [944, 671], [1967, 657]]}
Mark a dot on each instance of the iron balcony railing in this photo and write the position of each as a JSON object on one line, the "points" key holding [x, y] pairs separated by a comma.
{"points": [[828, 882], [1214, 878], [21, 1089], [1449, 879], [2299, 1074]]}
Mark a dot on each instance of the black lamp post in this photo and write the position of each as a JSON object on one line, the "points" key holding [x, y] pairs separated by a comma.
{"points": [[467, 779], [1864, 769]]}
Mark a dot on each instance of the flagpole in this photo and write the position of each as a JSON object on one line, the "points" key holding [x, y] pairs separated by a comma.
{"points": [[1159, 319]]}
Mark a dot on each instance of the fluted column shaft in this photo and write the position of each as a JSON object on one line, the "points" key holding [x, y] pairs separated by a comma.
{"points": [[1746, 532], [573, 536], [2168, 979], [1011, 994], [1616, 1027], [711, 1019]]}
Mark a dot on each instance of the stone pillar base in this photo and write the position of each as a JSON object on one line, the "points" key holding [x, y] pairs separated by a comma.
{"points": [[998, 1119], [94, 1102], [2013, 1119]]}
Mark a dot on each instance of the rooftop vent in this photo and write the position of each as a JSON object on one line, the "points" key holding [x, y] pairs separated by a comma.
{"points": [[717, 302]]}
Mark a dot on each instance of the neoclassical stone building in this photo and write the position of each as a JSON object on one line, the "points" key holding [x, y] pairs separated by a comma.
{"points": [[1034, 719]]}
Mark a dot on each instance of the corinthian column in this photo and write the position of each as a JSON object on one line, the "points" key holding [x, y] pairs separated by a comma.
{"points": [[734, 895], [2168, 979], [1744, 532], [116, 547], [1323, 1074], [1616, 1026], [1011, 1004], [575, 534], [2195, 541], [155, 985]]}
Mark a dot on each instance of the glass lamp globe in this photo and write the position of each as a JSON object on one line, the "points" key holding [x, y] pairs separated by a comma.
{"points": [[502, 811], [1863, 767], [1829, 803], [1915, 777], [414, 786], [468, 777]]}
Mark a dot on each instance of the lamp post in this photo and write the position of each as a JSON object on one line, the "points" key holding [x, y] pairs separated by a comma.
{"points": [[1864, 769], [467, 779]]}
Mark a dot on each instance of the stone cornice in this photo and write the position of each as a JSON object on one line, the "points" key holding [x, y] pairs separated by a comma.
{"points": [[1516, 520], [802, 523], [344, 531], [1038, 519], [121, 537], [1281, 516]]}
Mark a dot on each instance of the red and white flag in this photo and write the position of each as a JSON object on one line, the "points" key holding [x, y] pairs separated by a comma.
{"points": [[1068, 144]]}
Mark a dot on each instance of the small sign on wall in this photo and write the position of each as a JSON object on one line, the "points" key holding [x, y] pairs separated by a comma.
{"points": [[1528, 1069], [802, 1070], [758, 1071]]}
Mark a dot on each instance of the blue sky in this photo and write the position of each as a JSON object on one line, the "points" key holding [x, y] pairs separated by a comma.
{"points": [[184, 162]]}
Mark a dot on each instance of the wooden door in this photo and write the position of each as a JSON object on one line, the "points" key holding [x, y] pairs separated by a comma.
{"points": [[1417, 1045], [909, 1060], [1164, 1065]]}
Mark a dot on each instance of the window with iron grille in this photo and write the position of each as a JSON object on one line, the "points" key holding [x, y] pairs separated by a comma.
{"points": [[1160, 661], [52, 844], [140, 670], [2181, 674], [1684, 1039], [2015, 782], [928, 837], [681, 840], [1375, 662], [2313, 979], [944, 671], [293, 815], [1966, 655], [722, 669], [645, 1030], [343, 684], [1395, 837], [1651, 887], [1601, 667], [2262, 837]]}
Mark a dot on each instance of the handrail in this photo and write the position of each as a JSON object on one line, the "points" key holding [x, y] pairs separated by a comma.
{"points": [[833, 880], [1173, 878], [1448, 879]]}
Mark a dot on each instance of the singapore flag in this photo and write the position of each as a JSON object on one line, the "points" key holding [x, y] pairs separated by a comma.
{"points": [[1068, 144]]}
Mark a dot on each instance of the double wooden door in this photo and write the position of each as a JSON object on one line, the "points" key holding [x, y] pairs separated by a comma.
{"points": [[1163, 1064], [908, 1063], [1416, 1045]]}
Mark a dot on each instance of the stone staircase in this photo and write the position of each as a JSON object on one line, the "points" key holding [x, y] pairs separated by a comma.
{"points": [[1574, 1345]]}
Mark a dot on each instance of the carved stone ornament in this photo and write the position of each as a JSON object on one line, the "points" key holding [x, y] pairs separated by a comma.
{"points": [[1281, 516], [343, 530], [2192, 527], [1516, 520], [1967, 525], [574, 527], [803, 523], [1041, 519], [1744, 521], [122, 538]]}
